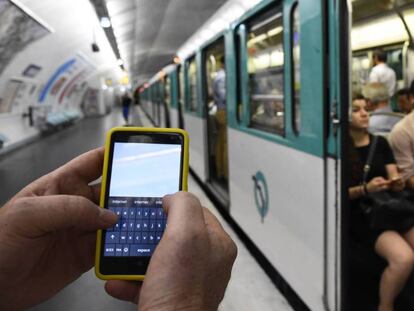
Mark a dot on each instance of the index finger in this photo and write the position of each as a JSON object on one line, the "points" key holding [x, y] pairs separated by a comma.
{"points": [[87, 167]]}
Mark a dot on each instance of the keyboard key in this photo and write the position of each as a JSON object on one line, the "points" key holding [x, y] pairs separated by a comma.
{"points": [[160, 213], [118, 211], [158, 236], [141, 250], [109, 250], [138, 213], [124, 225], [125, 250], [125, 213], [144, 238], [145, 213], [145, 225], [151, 238], [160, 225], [153, 213], [152, 226], [123, 237], [130, 237], [132, 212], [112, 237], [137, 237], [138, 225], [117, 226], [118, 250], [131, 225]]}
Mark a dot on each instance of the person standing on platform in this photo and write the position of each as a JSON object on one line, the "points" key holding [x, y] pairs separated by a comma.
{"points": [[126, 103], [219, 95]]}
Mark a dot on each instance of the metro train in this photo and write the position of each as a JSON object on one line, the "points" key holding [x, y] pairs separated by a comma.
{"points": [[290, 67]]}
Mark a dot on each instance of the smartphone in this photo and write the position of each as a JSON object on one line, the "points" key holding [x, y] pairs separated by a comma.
{"points": [[141, 165]]}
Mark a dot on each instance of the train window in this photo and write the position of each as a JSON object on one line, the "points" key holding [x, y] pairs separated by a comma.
{"points": [[215, 77], [296, 68], [180, 84], [265, 62], [192, 83], [167, 91], [239, 101]]}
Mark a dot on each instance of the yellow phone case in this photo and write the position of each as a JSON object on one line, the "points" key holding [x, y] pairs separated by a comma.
{"points": [[184, 186]]}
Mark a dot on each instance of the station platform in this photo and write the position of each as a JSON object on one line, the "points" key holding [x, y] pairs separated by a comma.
{"points": [[249, 287]]}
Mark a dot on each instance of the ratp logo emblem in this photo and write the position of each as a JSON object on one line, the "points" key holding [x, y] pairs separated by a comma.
{"points": [[261, 194]]}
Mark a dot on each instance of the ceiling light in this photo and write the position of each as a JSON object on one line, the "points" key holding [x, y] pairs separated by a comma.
{"points": [[105, 22]]}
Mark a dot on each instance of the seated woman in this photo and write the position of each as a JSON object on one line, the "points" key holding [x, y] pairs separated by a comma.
{"points": [[397, 248]]}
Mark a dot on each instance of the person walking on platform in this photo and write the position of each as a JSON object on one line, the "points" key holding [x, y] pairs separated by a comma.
{"points": [[219, 95], [126, 103], [381, 73]]}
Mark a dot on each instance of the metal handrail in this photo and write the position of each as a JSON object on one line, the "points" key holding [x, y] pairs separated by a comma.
{"points": [[267, 97]]}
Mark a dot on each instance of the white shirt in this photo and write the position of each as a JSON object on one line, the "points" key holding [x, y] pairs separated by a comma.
{"points": [[401, 140], [383, 74]]}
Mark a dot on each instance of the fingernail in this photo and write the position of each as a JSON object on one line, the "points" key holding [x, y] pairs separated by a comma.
{"points": [[107, 216]]}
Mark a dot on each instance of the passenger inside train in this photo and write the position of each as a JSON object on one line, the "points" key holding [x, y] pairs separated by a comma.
{"points": [[374, 170], [378, 103], [404, 100]]}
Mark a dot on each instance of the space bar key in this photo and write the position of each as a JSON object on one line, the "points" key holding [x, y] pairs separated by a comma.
{"points": [[141, 250]]}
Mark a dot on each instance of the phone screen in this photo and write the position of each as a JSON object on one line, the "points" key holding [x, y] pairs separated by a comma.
{"points": [[142, 169]]}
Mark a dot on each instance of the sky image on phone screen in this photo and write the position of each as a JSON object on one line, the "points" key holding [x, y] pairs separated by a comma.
{"points": [[142, 173]]}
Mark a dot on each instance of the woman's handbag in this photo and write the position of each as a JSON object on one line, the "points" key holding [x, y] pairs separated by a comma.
{"points": [[387, 210]]}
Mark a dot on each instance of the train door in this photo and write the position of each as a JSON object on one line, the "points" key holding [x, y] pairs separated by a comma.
{"points": [[162, 121], [276, 140], [153, 104], [181, 93], [193, 116], [215, 109], [167, 100], [158, 103], [173, 99]]}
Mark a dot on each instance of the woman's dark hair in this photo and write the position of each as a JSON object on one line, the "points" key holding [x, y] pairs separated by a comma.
{"points": [[357, 96]]}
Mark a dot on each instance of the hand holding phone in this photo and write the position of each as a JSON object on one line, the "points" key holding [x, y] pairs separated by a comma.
{"points": [[141, 166], [191, 266], [397, 184]]}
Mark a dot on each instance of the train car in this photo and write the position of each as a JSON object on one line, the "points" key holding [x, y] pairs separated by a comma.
{"points": [[272, 134], [276, 162]]}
